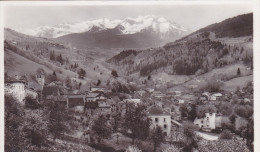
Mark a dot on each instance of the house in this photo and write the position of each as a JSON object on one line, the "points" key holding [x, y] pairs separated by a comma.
{"points": [[160, 117], [50, 90], [94, 96], [177, 93], [56, 83], [134, 101], [62, 87], [76, 101], [207, 123], [206, 95], [158, 94], [93, 89], [103, 106], [215, 96], [16, 88], [140, 92], [35, 86], [150, 90], [180, 101], [61, 99], [177, 131], [122, 105]]}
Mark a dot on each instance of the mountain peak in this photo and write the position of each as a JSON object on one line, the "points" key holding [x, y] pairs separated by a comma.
{"points": [[128, 25]]}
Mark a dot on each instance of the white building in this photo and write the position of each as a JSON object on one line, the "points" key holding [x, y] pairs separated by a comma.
{"points": [[207, 123], [17, 89], [161, 118]]}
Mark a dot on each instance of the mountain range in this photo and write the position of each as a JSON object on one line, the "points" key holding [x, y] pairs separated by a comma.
{"points": [[140, 32]]}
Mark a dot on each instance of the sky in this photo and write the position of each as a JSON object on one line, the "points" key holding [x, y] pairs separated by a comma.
{"points": [[192, 17]]}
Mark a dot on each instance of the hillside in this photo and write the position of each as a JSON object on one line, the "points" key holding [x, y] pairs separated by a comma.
{"points": [[238, 26], [197, 53], [23, 51]]}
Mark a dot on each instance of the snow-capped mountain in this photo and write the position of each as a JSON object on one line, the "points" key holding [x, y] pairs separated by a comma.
{"points": [[155, 24]]}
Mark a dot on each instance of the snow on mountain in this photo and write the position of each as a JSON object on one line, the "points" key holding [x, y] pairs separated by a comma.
{"points": [[129, 25]]}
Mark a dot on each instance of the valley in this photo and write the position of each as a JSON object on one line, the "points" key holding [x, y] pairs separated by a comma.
{"points": [[106, 85]]}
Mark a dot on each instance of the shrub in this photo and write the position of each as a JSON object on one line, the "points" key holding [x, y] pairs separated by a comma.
{"points": [[226, 134], [31, 103], [114, 73]]}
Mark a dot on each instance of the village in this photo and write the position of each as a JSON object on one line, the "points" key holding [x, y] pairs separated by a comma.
{"points": [[188, 121]]}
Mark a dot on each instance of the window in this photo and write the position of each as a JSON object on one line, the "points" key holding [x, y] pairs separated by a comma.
{"points": [[165, 133], [164, 126], [201, 121], [202, 126], [210, 114], [164, 119], [156, 119]]}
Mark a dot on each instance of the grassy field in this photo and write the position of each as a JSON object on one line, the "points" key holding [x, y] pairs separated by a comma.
{"points": [[18, 65]]}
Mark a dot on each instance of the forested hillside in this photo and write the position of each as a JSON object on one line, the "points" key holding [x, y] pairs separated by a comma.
{"points": [[195, 54]]}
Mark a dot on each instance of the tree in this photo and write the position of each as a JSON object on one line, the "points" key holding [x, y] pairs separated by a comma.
{"points": [[190, 136], [116, 121], [58, 118], [238, 71], [136, 122], [31, 103], [80, 85], [232, 118], [226, 134], [14, 118], [98, 82], [114, 73], [40, 71], [60, 59], [52, 55], [52, 77], [244, 111], [157, 137], [149, 77], [81, 73], [68, 82], [101, 128], [192, 114]]}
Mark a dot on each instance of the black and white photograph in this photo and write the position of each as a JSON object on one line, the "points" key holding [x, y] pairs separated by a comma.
{"points": [[129, 77]]}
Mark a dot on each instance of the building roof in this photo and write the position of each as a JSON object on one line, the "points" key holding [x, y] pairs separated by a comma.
{"points": [[35, 86], [91, 105], [92, 95], [135, 101], [57, 98], [50, 90], [59, 83], [76, 100], [157, 110]]}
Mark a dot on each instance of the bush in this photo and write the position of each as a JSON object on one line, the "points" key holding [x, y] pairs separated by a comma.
{"points": [[31, 103], [226, 134], [114, 73]]}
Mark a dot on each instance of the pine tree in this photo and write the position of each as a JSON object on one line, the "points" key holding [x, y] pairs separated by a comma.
{"points": [[238, 71]]}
